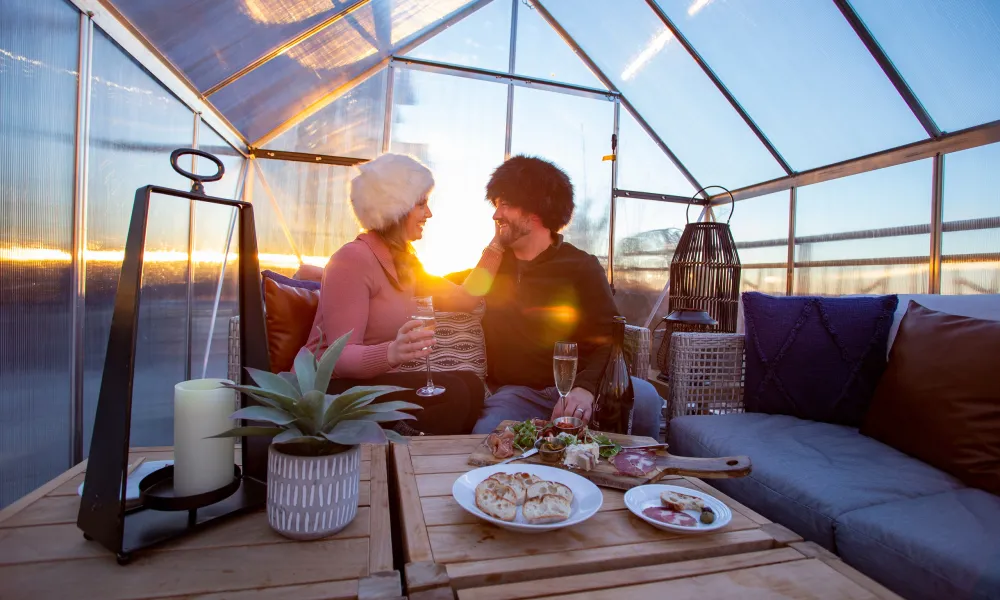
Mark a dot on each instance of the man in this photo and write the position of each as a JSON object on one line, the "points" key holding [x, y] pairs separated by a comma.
{"points": [[545, 291]]}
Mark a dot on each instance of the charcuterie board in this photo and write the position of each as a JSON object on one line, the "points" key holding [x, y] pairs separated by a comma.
{"points": [[607, 475]]}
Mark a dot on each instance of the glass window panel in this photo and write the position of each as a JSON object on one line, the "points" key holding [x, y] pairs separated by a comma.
{"points": [[860, 259], [291, 83], [211, 233], [462, 143], [351, 125], [542, 53], [971, 239], [760, 228], [134, 125], [209, 41], [642, 165], [646, 235], [38, 63], [948, 53], [575, 134], [812, 88], [668, 88], [480, 40], [307, 214]]}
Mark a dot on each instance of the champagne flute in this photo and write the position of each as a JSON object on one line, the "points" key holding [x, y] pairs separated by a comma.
{"points": [[564, 368], [425, 314]]}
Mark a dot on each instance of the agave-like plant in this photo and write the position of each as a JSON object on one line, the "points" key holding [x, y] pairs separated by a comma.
{"points": [[306, 421]]}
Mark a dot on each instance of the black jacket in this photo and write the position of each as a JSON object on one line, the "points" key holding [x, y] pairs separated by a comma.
{"points": [[561, 295]]}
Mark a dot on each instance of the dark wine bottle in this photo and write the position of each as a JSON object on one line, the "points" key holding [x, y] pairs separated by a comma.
{"points": [[615, 402]]}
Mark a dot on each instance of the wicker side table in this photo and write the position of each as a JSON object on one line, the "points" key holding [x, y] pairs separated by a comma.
{"points": [[706, 374]]}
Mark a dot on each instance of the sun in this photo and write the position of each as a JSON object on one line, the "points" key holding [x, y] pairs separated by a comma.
{"points": [[453, 240]]}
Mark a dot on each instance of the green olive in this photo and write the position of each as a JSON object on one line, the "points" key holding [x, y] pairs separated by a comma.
{"points": [[707, 516]]}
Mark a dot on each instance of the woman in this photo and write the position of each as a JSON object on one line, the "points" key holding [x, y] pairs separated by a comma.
{"points": [[369, 286]]}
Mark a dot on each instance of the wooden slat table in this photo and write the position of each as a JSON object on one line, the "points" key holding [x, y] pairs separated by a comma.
{"points": [[447, 550], [43, 553]]}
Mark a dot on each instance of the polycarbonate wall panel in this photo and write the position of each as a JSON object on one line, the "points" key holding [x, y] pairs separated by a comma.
{"points": [[760, 228], [971, 239], [802, 74], [542, 53], [307, 213], [646, 235], [638, 53], [480, 40], [289, 84], [642, 165], [575, 134], [211, 232], [39, 41], [134, 125], [462, 143], [210, 41], [948, 53], [842, 246], [351, 125]]}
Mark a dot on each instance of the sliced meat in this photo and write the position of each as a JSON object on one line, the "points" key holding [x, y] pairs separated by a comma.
{"points": [[665, 515], [501, 444], [638, 462]]}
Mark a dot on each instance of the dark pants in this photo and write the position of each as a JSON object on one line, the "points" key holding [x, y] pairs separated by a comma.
{"points": [[453, 412]]}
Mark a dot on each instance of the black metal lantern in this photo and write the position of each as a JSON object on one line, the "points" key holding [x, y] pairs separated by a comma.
{"points": [[704, 282], [103, 516]]}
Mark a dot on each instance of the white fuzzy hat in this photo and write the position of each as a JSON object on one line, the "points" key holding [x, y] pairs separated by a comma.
{"points": [[387, 188]]}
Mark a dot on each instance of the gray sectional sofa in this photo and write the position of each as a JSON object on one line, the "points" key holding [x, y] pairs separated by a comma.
{"points": [[913, 528]]}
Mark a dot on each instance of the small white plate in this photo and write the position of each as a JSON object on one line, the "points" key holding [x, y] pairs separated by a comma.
{"points": [[640, 498], [587, 498]]}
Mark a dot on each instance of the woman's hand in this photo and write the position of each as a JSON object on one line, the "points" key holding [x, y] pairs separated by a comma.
{"points": [[413, 342]]}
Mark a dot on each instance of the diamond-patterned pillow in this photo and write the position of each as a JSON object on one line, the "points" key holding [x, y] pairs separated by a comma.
{"points": [[815, 358]]}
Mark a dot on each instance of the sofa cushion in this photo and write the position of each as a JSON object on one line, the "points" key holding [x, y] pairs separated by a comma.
{"points": [[460, 344], [288, 311], [977, 306], [939, 399], [805, 474], [941, 546], [815, 358]]}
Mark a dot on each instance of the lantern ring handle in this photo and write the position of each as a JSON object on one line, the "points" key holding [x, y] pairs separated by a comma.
{"points": [[687, 216], [197, 179]]}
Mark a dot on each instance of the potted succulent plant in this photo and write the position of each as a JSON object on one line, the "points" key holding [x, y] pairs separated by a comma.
{"points": [[314, 459]]}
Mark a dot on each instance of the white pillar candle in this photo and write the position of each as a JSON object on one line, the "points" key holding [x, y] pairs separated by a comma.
{"points": [[201, 409]]}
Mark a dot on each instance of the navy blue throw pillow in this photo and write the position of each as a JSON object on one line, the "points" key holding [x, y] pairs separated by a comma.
{"points": [[815, 358], [296, 283]]}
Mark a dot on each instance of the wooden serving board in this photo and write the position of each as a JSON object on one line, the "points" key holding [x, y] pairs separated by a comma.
{"points": [[605, 474]]}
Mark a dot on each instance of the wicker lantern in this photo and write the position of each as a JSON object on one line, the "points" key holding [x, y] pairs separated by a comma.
{"points": [[704, 276]]}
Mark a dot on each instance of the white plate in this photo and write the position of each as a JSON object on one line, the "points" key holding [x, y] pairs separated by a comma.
{"points": [[640, 498], [587, 498]]}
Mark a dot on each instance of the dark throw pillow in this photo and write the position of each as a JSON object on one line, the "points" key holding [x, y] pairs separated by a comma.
{"points": [[939, 399], [289, 309], [815, 358]]}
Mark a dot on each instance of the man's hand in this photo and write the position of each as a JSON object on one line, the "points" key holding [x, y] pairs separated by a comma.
{"points": [[579, 403]]}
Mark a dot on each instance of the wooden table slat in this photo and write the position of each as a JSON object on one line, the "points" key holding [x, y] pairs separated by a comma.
{"points": [[327, 590], [433, 446], [209, 570], [609, 558], [483, 541], [809, 578], [416, 545], [381, 535], [631, 576]]}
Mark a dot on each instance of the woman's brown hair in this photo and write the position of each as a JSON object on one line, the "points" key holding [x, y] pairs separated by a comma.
{"points": [[404, 258]]}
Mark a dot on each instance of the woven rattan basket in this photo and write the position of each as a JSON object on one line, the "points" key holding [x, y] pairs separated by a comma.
{"points": [[704, 275]]}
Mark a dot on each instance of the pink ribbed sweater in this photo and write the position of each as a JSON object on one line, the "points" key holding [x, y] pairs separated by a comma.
{"points": [[361, 293]]}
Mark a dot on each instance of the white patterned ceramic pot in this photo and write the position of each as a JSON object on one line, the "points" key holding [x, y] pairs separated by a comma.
{"points": [[310, 497]]}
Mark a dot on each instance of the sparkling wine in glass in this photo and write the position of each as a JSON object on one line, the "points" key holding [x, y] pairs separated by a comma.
{"points": [[425, 314], [564, 368]]}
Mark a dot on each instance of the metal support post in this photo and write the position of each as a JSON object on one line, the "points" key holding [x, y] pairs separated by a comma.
{"points": [[937, 216]]}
